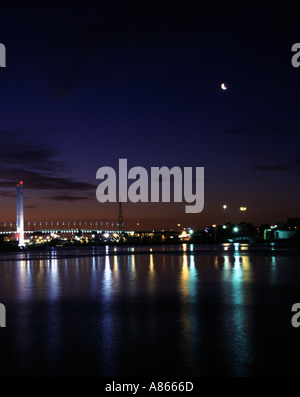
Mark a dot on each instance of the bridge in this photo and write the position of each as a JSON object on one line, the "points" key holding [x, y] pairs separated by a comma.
{"points": [[62, 227], [40, 235], [67, 231], [17, 229]]}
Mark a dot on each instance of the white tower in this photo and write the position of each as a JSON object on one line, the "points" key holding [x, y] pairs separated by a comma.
{"points": [[20, 214]]}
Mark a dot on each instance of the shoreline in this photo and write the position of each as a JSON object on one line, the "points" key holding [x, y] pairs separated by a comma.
{"points": [[254, 249]]}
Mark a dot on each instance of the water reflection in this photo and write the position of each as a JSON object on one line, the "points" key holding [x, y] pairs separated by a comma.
{"points": [[151, 283], [273, 270], [237, 271], [107, 276], [125, 311], [107, 324], [189, 313], [188, 278], [24, 279], [53, 279], [53, 317]]}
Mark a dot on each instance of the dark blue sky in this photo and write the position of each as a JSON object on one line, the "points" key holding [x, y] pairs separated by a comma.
{"points": [[87, 83]]}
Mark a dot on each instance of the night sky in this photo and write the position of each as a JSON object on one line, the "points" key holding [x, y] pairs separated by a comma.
{"points": [[87, 83]]}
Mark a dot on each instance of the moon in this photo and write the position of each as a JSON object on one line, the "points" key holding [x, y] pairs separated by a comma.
{"points": [[223, 86]]}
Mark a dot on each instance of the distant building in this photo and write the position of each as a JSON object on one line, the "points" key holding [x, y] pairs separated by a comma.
{"points": [[284, 234]]}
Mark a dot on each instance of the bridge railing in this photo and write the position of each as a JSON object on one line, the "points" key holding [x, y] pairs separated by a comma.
{"points": [[61, 225]]}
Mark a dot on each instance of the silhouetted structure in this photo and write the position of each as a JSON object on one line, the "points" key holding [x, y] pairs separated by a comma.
{"points": [[120, 219]]}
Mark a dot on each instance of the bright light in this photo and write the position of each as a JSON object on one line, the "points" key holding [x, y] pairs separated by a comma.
{"points": [[185, 235], [191, 231], [224, 206], [224, 226], [243, 208], [235, 229], [214, 225]]}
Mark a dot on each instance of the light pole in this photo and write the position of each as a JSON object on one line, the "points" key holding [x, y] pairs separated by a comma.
{"points": [[224, 208], [214, 228], [243, 209]]}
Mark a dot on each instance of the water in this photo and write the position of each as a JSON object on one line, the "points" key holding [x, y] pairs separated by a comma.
{"points": [[141, 311]]}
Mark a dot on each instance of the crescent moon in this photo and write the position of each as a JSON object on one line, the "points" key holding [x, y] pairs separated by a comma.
{"points": [[223, 86]]}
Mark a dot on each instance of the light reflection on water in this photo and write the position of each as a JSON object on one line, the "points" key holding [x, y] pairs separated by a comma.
{"points": [[235, 280], [190, 320], [109, 309]]}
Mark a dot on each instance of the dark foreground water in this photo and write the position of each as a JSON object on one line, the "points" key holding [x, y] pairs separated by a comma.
{"points": [[173, 311]]}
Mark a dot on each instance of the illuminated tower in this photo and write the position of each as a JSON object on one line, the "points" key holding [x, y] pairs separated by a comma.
{"points": [[20, 214]]}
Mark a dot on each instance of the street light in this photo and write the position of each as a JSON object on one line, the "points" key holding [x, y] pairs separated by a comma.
{"points": [[224, 208], [243, 209], [214, 226]]}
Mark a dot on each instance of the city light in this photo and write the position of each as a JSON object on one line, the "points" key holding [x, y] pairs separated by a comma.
{"points": [[243, 209], [224, 208]]}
